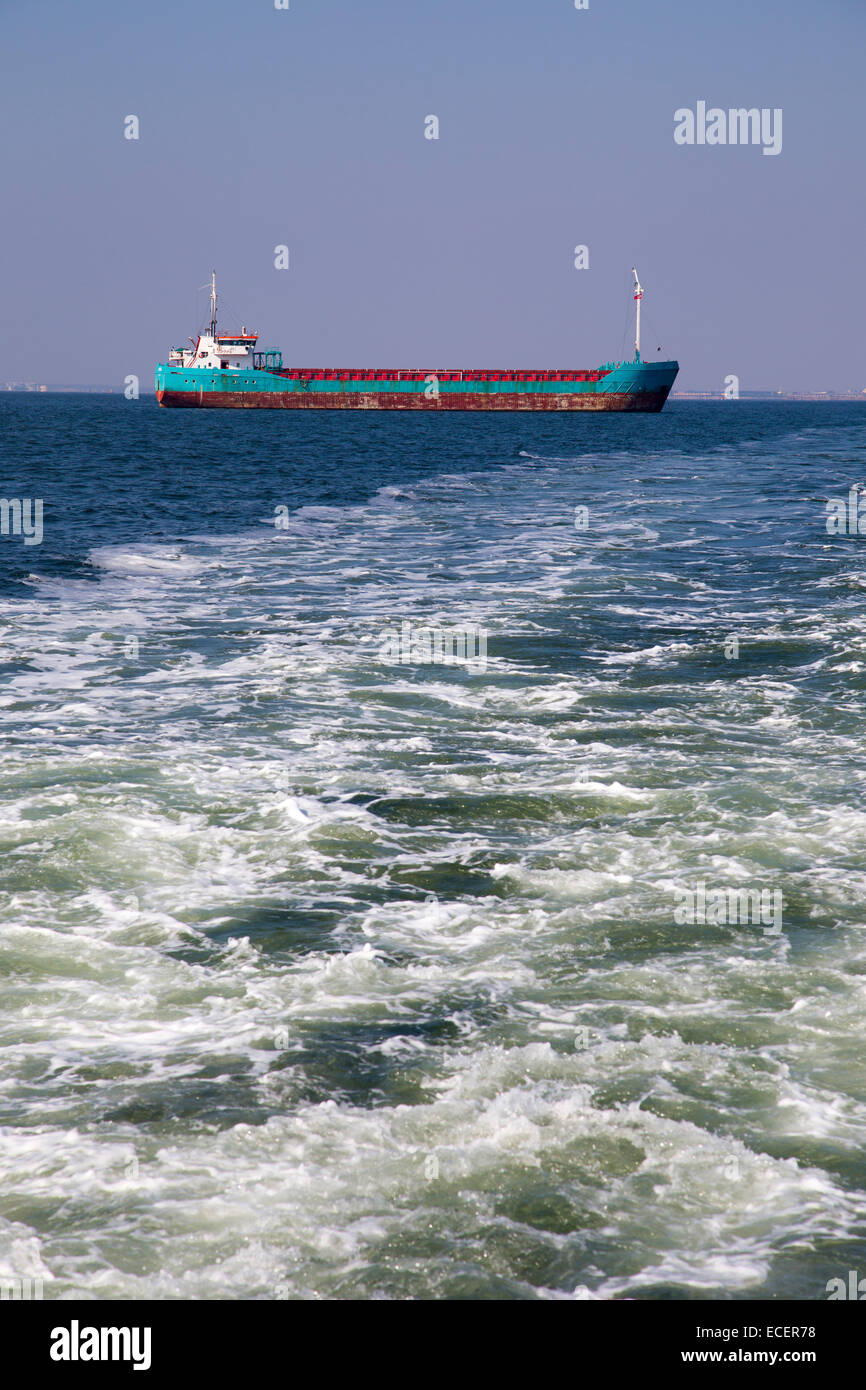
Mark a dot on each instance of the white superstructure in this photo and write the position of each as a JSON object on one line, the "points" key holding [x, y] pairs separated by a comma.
{"points": [[217, 351]]}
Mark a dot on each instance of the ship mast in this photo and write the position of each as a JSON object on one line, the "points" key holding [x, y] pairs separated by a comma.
{"points": [[213, 303], [638, 296]]}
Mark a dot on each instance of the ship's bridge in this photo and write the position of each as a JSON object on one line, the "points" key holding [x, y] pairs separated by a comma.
{"points": [[225, 351]]}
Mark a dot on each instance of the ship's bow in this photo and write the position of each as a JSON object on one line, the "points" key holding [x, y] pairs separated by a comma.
{"points": [[637, 385]]}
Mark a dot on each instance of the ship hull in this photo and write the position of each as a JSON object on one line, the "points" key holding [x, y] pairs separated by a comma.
{"points": [[307, 400], [633, 386]]}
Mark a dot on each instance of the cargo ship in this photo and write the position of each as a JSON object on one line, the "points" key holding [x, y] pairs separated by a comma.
{"points": [[226, 370]]}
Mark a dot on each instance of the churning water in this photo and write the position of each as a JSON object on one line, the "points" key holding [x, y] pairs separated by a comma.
{"points": [[329, 976]]}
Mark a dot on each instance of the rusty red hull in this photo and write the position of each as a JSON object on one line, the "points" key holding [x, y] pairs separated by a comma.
{"points": [[463, 400]]}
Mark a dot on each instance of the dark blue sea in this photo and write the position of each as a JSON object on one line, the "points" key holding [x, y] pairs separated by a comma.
{"points": [[336, 964]]}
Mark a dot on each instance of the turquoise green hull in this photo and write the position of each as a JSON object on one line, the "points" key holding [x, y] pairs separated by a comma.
{"points": [[637, 385]]}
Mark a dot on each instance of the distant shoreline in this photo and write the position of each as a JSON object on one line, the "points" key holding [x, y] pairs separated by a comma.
{"points": [[770, 396]]}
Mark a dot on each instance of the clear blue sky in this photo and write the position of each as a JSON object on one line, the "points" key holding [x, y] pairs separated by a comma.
{"points": [[306, 127]]}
